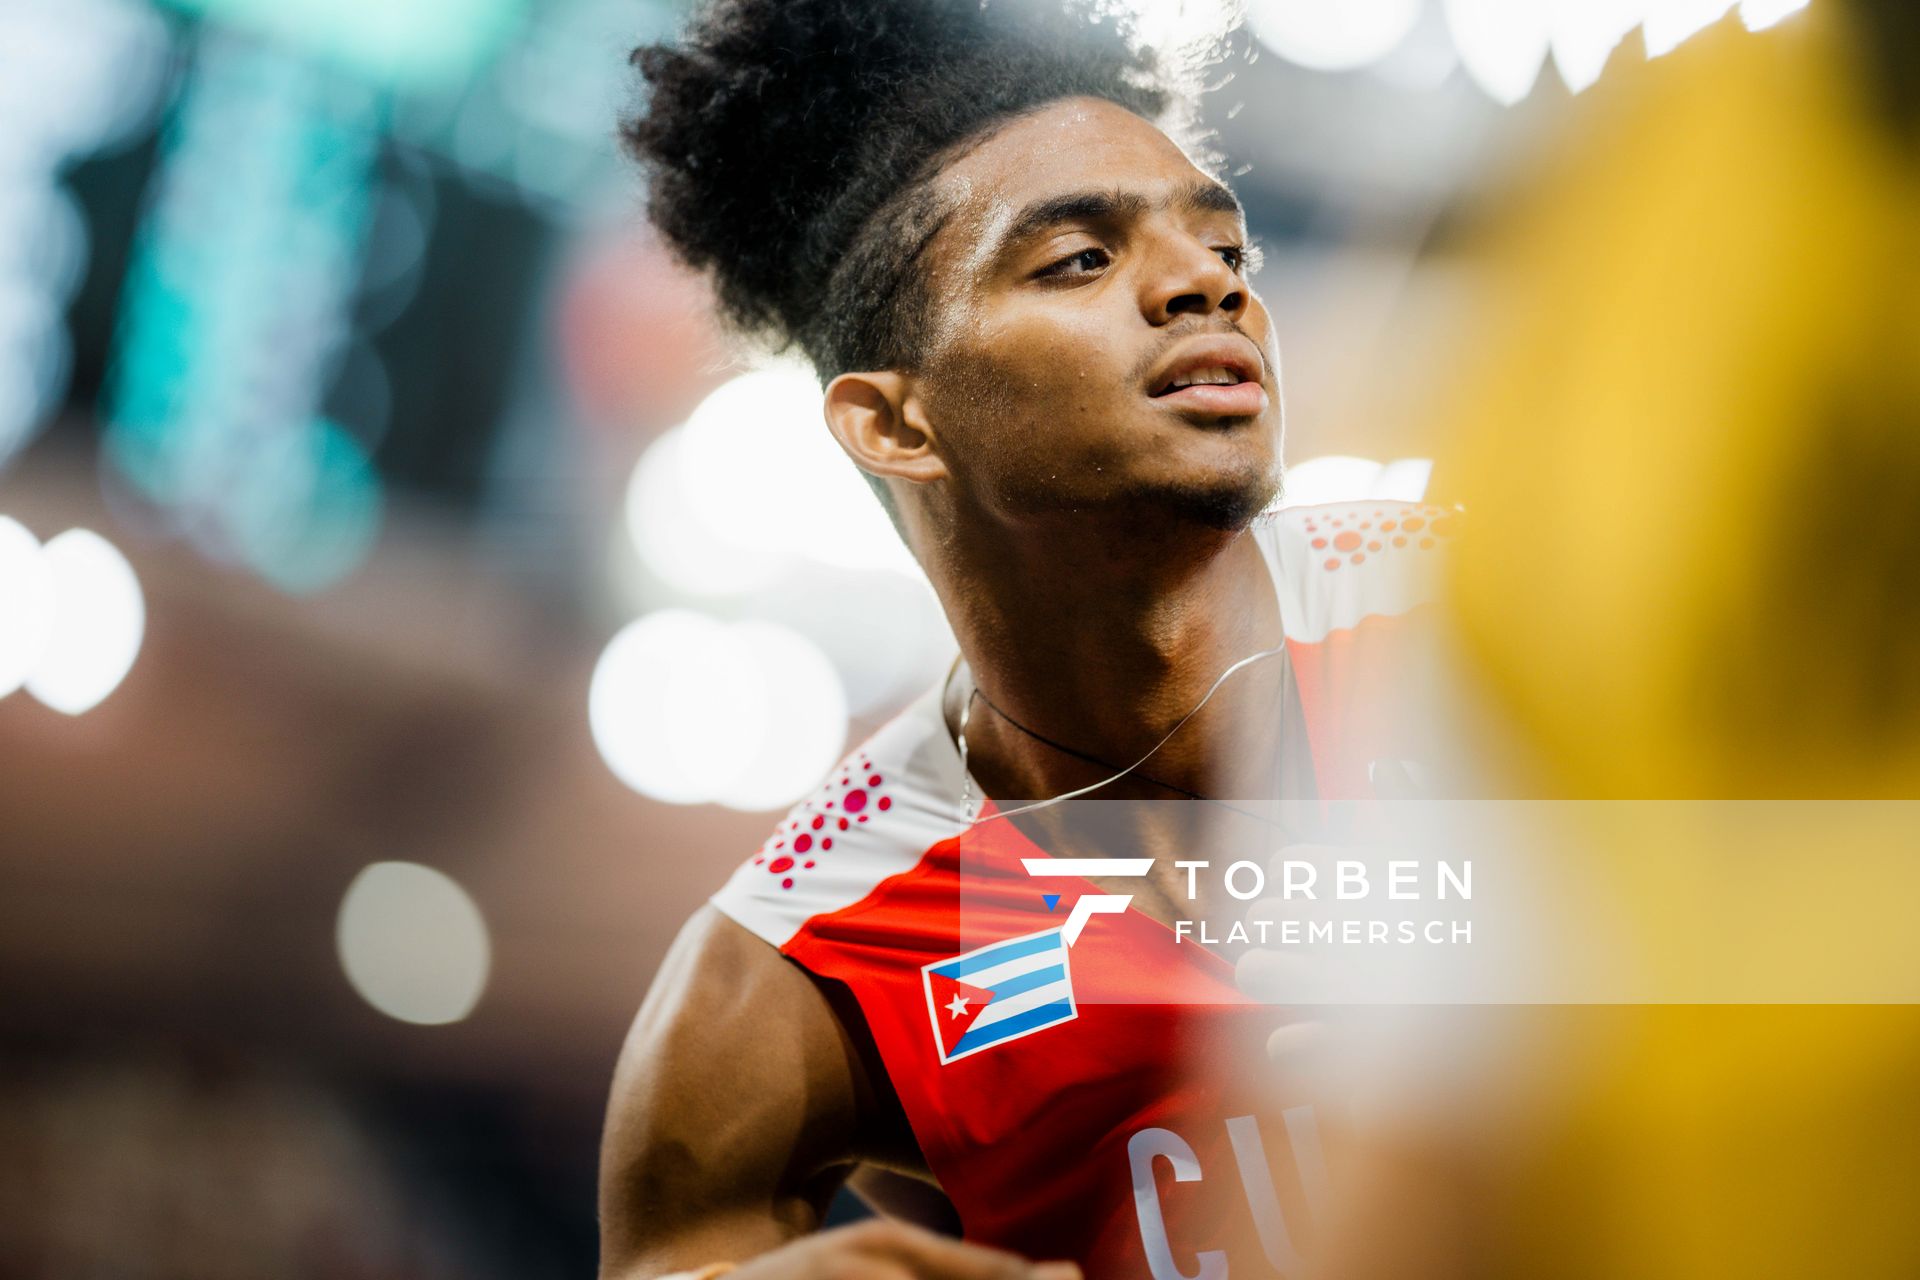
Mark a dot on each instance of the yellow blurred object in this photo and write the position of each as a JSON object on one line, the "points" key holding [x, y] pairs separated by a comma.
{"points": [[1690, 434]]}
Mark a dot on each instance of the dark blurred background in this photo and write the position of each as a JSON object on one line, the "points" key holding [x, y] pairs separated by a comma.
{"points": [[410, 609]]}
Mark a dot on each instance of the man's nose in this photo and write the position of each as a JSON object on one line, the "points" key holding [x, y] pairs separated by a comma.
{"points": [[1188, 278]]}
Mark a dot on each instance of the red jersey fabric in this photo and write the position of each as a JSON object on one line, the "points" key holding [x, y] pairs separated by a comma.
{"points": [[1081, 1101]]}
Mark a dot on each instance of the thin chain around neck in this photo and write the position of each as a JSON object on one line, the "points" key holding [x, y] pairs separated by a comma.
{"points": [[1078, 754], [966, 776]]}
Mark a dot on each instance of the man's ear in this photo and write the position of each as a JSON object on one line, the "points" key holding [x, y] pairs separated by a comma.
{"points": [[882, 425]]}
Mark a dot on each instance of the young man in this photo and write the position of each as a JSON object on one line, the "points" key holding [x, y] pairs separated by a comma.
{"points": [[1031, 313]]}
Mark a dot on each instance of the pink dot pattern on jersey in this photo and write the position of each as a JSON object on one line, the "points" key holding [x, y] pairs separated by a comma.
{"points": [[1419, 526], [843, 800]]}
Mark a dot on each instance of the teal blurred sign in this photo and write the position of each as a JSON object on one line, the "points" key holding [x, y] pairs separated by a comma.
{"points": [[234, 311], [406, 44]]}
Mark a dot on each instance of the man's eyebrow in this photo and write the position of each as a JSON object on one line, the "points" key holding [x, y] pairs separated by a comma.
{"points": [[1203, 195], [1208, 196], [1074, 206]]}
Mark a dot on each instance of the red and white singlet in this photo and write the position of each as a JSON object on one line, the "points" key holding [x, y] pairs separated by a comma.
{"points": [[1053, 1088]]}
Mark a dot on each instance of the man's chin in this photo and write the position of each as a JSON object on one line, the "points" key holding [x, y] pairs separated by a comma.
{"points": [[1226, 503], [1162, 502], [1228, 479]]}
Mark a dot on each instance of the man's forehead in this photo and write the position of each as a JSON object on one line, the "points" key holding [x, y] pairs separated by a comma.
{"points": [[1075, 145]]}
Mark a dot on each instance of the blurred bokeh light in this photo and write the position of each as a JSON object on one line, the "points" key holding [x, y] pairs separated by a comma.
{"points": [[413, 943], [98, 618], [1335, 478], [1327, 37], [691, 710], [26, 624], [709, 526]]}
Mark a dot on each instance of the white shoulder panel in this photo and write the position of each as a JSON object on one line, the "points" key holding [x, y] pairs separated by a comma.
{"points": [[1339, 563], [892, 798]]}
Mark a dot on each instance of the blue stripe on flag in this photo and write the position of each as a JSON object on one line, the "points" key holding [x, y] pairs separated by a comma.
{"points": [[1027, 982], [982, 1036], [960, 968]]}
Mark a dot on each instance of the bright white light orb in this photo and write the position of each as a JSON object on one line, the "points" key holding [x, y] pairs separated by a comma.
{"points": [[884, 632], [751, 483], [1179, 31], [691, 710], [1402, 480], [1669, 23], [1339, 478], [1585, 33], [99, 619], [672, 536], [413, 943], [26, 604], [664, 706], [803, 712], [1332, 36], [1761, 14], [1501, 43], [1334, 478]]}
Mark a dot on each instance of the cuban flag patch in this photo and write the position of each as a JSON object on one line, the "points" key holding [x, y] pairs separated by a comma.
{"points": [[998, 993]]}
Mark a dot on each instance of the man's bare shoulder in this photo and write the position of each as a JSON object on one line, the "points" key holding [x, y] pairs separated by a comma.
{"points": [[734, 1104]]}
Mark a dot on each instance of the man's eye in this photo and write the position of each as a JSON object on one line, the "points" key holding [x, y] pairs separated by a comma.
{"points": [[1081, 263], [1235, 256]]}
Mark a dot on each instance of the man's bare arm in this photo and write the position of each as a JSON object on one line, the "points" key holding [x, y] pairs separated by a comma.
{"points": [[733, 1109], [737, 1110]]}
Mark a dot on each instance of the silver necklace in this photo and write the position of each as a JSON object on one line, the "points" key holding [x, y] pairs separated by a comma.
{"points": [[966, 711]]}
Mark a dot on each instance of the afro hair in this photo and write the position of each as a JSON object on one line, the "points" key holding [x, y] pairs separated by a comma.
{"points": [[788, 143]]}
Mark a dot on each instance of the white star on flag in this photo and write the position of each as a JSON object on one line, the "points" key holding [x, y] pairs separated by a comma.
{"points": [[999, 992]]}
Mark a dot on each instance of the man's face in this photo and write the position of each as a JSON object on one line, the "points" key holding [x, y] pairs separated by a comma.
{"points": [[1088, 272]]}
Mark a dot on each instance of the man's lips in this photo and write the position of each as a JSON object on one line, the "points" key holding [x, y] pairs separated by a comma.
{"points": [[1233, 355], [1236, 400]]}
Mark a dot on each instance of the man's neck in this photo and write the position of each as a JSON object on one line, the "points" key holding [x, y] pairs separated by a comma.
{"points": [[1104, 646]]}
